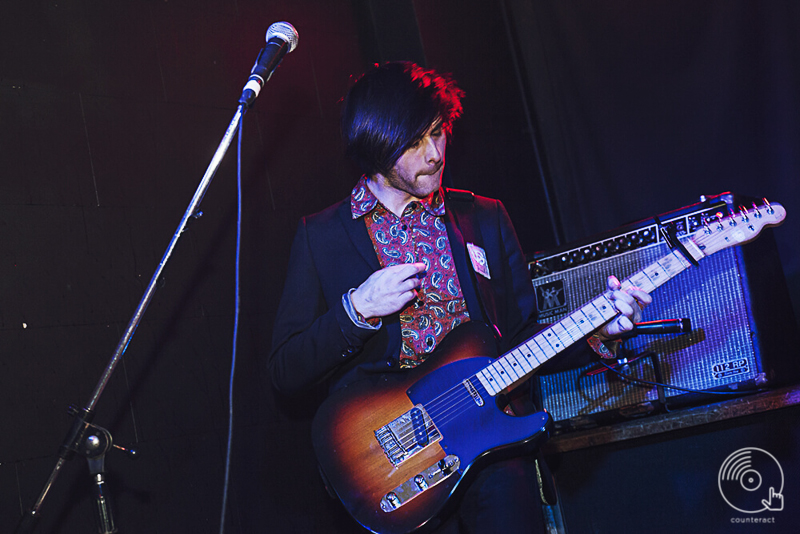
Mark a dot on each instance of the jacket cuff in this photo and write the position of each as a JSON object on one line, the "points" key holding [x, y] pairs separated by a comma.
{"points": [[354, 336], [357, 318]]}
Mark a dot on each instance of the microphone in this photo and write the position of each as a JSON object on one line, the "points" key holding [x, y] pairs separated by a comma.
{"points": [[664, 326], [281, 39]]}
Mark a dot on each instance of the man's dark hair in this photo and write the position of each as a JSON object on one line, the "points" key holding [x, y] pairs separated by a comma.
{"points": [[390, 108]]}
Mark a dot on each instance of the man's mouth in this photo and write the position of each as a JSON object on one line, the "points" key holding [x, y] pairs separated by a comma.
{"points": [[437, 169]]}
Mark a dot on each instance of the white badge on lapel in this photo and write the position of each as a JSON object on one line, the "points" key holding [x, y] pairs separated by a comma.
{"points": [[478, 257]]}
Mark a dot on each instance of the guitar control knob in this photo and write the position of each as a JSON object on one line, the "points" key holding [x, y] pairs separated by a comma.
{"points": [[421, 483], [446, 465], [393, 499]]}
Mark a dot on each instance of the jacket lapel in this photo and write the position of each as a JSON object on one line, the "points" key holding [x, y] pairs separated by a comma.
{"points": [[460, 230], [357, 232]]}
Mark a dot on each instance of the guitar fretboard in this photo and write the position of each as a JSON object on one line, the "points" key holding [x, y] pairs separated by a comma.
{"points": [[522, 360]]}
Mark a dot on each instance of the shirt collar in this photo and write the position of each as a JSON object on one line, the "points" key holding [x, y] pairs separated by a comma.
{"points": [[363, 200]]}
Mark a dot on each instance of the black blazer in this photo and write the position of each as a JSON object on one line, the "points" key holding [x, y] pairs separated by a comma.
{"points": [[313, 337]]}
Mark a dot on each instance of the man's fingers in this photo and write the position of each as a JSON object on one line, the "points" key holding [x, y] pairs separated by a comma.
{"points": [[625, 324], [612, 283], [409, 269], [409, 284], [642, 297], [624, 307]]}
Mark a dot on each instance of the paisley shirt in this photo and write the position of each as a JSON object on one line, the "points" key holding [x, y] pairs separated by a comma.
{"points": [[419, 235]]}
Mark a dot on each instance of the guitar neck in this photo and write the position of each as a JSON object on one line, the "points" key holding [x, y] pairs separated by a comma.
{"points": [[511, 368]]}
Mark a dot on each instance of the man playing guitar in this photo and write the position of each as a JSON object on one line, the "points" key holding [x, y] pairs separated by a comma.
{"points": [[377, 281]]}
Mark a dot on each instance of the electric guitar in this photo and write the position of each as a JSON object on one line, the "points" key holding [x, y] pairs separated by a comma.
{"points": [[399, 449]]}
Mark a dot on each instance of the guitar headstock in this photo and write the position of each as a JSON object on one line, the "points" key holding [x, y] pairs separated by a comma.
{"points": [[738, 228]]}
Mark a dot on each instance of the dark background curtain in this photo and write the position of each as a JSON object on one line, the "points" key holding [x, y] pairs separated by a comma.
{"points": [[643, 107], [580, 116]]}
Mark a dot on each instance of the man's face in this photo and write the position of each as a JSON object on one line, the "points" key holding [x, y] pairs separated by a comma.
{"points": [[418, 172]]}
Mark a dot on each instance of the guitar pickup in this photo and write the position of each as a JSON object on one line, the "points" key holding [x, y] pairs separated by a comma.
{"points": [[407, 435]]}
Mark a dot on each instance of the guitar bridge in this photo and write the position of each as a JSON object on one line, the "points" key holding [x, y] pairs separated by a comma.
{"points": [[407, 435]]}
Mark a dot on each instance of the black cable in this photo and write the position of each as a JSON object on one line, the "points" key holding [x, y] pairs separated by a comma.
{"points": [[235, 328], [669, 386]]}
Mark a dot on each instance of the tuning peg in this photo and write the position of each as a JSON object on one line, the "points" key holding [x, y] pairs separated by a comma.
{"points": [[743, 213]]}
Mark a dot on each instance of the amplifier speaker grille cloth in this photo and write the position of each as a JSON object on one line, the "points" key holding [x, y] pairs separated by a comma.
{"points": [[720, 349]]}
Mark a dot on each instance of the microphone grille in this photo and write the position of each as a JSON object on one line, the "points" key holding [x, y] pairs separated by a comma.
{"points": [[284, 31]]}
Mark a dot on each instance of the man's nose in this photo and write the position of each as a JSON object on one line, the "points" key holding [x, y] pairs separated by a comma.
{"points": [[433, 152]]}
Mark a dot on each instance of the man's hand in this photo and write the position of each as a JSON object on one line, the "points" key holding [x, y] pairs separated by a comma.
{"points": [[388, 290], [629, 303]]}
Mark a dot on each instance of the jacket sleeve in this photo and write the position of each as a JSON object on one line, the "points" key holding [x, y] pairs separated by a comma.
{"points": [[313, 335]]}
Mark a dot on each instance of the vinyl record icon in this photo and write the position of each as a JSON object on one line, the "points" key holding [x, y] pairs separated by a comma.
{"points": [[746, 477]]}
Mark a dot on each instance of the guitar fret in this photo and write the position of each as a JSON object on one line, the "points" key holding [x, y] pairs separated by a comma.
{"points": [[545, 348], [594, 317], [508, 379], [604, 307], [675, 263], [641, 281], [521, 367], [544, 345], [534, 353], [509, 369], [561, 336], [523, 360], [499, 375], [569, 326], [664, 269], [582, 322], [487, 382], [656, 274]]}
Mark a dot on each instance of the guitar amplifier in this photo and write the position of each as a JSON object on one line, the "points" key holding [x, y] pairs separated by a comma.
{"points": [[743, 334]]}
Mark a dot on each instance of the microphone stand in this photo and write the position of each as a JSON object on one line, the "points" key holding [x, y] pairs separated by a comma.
{"points": [[92, 441]]}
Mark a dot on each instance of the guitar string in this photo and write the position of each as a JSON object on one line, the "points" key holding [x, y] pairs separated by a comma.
{"points": [[444, 408], [463, 402], [434, 406], [455, 402]]}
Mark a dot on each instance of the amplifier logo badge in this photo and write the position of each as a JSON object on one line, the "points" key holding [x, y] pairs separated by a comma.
{"points": [[551, 299], [731, 368]]}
